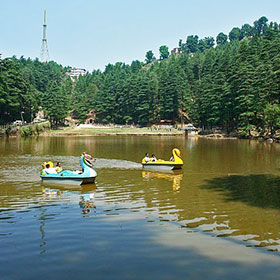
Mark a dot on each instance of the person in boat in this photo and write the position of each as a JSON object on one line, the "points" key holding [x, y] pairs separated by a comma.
{"points": [[147, 158], [172, 158], [58, 167], [154, 157], [49, 170]]}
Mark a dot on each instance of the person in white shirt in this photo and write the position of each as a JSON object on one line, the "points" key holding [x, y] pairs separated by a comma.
{"points": [[50, 170], [153, 157], [147, 158]]}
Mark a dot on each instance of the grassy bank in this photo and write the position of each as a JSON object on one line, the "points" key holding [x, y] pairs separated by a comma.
{"points": [[114, 131]]}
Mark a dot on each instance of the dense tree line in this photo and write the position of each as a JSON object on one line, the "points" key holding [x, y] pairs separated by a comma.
{"points": [[27, 86], [231, 82]]}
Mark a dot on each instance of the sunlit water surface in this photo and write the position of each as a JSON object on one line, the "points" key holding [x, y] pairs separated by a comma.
{"points": [[218, 218]]}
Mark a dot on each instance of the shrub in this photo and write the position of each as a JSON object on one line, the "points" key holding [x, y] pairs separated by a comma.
{"points": [[26, 131], [8, 130]]}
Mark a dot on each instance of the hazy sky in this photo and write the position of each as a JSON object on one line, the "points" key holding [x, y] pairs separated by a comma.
{"points": [[90, 34]]}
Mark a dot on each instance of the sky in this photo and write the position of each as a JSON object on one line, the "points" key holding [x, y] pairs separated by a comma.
{"points": [[91, 34]]}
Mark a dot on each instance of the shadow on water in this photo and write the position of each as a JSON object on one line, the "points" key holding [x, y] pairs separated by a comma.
{"points": [[256, 190]]}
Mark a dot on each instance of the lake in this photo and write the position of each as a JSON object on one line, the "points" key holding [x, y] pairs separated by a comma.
{"points": [[218, 218]]}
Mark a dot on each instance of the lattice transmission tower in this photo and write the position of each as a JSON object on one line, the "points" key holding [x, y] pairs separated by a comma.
{"points": [[44, 48]]}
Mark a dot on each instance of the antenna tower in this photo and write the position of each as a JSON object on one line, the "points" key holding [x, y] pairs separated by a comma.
{"points": [[44, 48]]}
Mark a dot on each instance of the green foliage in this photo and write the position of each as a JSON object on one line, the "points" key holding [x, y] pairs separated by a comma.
{"points": [[247, 30], [55, 103], [235, 34], [191, 45], [150, 57], [26, 131], [38, 128], [206, 43], [261, 25], [23, 83], [164, 53], [8, 130], [272, 117], [221, 39]]}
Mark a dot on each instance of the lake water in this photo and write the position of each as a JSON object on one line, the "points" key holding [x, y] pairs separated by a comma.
{"points": [[218, 218]]}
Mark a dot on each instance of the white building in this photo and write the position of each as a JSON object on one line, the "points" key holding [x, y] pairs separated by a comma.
{"points": [[74, 73]]}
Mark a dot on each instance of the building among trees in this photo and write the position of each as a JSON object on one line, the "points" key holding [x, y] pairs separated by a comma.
{"points": [[91, 117], [176, 51], [74, 73]]}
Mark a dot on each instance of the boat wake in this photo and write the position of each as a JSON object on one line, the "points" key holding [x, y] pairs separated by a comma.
{"points": [[116, 164]]}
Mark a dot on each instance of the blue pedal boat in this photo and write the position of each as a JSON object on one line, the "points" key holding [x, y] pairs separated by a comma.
{"points": [[87, 176]]}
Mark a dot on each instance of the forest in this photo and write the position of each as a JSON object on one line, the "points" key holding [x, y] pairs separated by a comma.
{"points": [[231, 82]]}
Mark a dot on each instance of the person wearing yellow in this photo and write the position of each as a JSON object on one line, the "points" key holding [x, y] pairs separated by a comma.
{"points": [[58, 167]]}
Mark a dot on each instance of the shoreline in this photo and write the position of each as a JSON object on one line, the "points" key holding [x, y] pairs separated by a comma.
{"points": [[110, 134], [160, 134], [118, 131], [129, 131]]}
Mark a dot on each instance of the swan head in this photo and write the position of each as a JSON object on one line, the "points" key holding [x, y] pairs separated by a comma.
{"points": [[177, 155]]}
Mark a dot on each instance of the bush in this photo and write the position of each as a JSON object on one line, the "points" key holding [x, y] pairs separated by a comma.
{"points": [[46, 125], [38, 128], [8, 130], [26, 131]]}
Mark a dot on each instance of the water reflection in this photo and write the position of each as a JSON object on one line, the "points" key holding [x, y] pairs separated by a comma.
{"points": [[87, 198], [86, 202], [261, 190], [256, 199], [50, 193], [191, 142], [42, 230], [175, 177], [84, 193], [79, 195]]}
